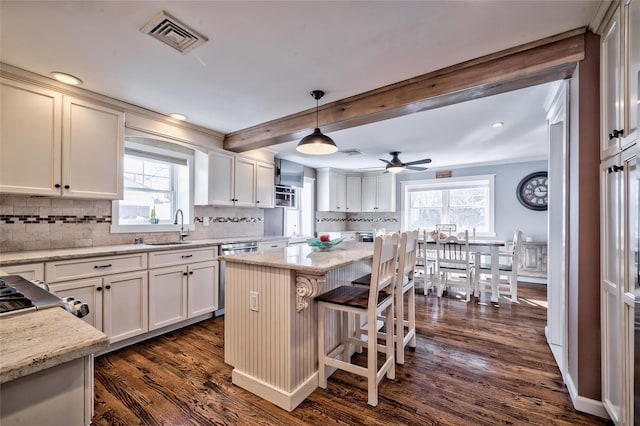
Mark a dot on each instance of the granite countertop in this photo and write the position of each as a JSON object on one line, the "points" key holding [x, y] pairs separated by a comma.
{"points": [[33, 256], [304, 258], [37, 340]]}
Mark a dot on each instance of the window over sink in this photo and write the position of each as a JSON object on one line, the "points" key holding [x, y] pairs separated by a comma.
{"points": [[467, 202], [158, 180]]}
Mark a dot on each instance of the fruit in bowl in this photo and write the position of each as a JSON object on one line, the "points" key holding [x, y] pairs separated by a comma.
{"points": [[325, 238]]}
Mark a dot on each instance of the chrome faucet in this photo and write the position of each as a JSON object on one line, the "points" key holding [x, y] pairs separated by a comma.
{"points": [[181, 234]]}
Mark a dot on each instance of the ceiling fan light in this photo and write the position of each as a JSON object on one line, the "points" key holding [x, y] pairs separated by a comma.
{"points": [[316, 144], [395, 168]]}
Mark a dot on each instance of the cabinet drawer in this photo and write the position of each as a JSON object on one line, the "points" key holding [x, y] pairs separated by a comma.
{"points": [[32, 271], [180, 257], [66, 270], [269, 245]]}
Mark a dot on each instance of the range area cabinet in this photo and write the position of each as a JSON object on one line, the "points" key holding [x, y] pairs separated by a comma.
{"points": [[379, 193], [58, 145], [182, 284], [117, 299], [30, 271], [619, 203], [341, 192], [240, 181], [270, 245]]}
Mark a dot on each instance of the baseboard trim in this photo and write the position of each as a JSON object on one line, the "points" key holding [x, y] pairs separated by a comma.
{"points": [[586, 405]]}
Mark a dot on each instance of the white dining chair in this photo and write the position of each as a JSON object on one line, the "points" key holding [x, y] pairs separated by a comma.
{"points": [[508, 270], [372, 302], [405, 285], [425, 264], [454, 264]]}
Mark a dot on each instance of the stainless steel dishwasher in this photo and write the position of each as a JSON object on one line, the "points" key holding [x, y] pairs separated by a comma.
{"points": [[225, 249]]}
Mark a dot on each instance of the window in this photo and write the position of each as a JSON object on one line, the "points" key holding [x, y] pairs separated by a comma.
{"points": [[467, 202], [157, 182], [300, 219]]}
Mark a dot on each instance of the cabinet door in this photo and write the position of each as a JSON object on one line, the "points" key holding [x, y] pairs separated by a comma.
{"points": [[167, 296], [611, 82], [338, 194], [611, 277], [89, 291], [369, 193], [265, 185], [632, 68], [221, 179], [30, 139], [323, 189], [386, 193], [354, 194], [126, 305], [245, 182], [92, 150], [203, 288]]}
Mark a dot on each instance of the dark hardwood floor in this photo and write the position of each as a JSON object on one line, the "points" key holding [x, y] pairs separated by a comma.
{"points": [[474, 364]]}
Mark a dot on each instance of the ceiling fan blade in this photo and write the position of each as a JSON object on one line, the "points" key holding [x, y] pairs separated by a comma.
{"points": [[386, 161], [415, 168], [412, 163]]}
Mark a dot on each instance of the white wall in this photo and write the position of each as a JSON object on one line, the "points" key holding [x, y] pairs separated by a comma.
{"points": [[510, 214]]}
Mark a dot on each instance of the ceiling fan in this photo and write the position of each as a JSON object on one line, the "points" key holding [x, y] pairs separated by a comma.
{"points": [[396, 166]]}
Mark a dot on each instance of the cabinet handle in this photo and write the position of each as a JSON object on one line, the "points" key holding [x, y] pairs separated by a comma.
{"points": [[190, 272], [274, 246], [615, 134], [102, 266], [257, 201], [67, 187], [108, 287], [57, 185], [186, 256], [185, 274], [99, 288]]}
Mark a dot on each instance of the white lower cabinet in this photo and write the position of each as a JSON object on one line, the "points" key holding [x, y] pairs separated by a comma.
{"points": [[30, 271], [118, 304], [270, 245], [177, 293]]}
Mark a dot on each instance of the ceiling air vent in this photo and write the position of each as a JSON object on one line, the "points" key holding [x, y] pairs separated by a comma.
{"points": [[173, 33], [350, 152]]}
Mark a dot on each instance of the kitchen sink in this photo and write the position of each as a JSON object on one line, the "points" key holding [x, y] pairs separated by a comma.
{"points": [[167, 243]]}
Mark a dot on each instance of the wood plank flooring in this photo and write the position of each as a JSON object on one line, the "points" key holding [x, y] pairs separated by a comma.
{"points": [[474, 364]]}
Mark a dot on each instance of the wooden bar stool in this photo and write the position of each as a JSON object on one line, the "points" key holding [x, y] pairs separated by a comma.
{"points": [[372, 302], [405, 285]]}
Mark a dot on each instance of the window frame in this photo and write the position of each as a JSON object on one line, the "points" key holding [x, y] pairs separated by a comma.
{"points": [[450, 183], [117, 227]]}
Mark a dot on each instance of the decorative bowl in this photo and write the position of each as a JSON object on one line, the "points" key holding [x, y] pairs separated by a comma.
{"points": [[324, 245]]}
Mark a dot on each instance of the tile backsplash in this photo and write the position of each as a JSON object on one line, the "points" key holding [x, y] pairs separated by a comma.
{"points": [[40, 223], [335, 222]]}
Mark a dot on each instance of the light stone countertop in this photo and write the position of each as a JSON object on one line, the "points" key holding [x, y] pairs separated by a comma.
{"points": [[37, 340], [301, 257], [34, 256]]}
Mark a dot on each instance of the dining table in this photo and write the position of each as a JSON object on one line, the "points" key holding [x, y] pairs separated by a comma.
{"points": [[481, 245]]}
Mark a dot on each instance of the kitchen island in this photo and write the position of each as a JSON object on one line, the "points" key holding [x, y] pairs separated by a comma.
{"points": [[271, 319]]}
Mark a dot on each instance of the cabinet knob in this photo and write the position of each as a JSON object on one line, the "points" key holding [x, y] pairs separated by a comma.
{"points": [[99, 288], [190, 272], [108, 287], [615, 133], [257, 201], [185, 274], [615, 168], [67, 187], [57, 185]]}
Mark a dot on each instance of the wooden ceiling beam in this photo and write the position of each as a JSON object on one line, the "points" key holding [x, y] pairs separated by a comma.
{"points": [[542, 61]]}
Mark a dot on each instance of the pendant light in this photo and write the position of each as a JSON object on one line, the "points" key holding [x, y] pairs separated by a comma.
{"points": [[316, 143]]}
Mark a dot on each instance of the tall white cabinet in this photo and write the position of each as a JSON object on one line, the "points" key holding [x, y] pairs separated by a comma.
{"points": [[620, 72], [58, 145]]}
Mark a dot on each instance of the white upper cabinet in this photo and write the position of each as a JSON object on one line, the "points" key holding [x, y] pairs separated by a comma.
{"points": [[265, 185], [619, 74], [240, 181], [332, 190], [379, 193], [354, 194], [57, 145]]}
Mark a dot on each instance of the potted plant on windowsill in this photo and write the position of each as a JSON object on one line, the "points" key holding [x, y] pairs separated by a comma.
{"points": [[152, 217]]}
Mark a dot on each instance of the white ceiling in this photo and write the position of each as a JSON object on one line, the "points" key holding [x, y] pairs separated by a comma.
{"points": [[263, 58]]}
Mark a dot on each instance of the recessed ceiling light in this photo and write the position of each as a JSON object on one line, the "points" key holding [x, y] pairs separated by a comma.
{"points": [[497, 124], [177, 116], [65, 78]]}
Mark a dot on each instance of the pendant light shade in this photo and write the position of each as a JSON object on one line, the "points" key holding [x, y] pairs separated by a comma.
{"points": [[316, 143]]}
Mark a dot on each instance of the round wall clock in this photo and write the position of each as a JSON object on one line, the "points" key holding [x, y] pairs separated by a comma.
{"points": [[533, 191]]}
